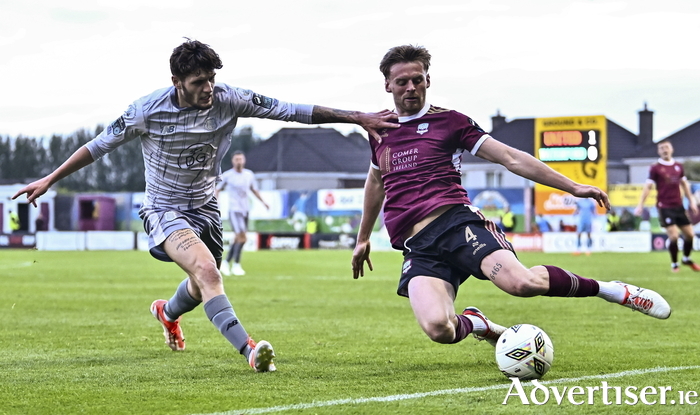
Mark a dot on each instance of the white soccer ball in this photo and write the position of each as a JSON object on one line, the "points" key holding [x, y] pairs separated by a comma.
{"points": [[524, 351]]}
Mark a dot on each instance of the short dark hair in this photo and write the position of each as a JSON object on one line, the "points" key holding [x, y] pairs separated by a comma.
{"points": [[237, 152], [402, 54], [191, 57]]}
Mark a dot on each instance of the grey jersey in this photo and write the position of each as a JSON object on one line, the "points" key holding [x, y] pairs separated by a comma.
{"points": [[238, 186], [183, 147]]}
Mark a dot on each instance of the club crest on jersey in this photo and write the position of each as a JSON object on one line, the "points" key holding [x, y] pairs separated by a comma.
{"points": [[210, 124], [422, 128], [406, 266], [117, 127]]}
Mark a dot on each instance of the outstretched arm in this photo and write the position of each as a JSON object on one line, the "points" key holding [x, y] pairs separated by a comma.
{"points": [[529, 167], [374, 198], [77, 161], [372, 122]]}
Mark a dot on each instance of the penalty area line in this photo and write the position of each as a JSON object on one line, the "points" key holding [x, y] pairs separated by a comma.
{"points": [[419, 395]]}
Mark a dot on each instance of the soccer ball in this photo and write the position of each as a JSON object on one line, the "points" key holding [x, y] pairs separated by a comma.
{"points": [[524, 351]]}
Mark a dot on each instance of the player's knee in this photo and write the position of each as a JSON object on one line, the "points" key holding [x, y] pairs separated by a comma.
{"points": [[207, 274], [439, 331]]}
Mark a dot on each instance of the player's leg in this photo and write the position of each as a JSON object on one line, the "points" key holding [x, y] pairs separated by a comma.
{"points": [[688, 235], [194, 257], [672, 232], [432, 301], [239, 224], [225, 266], [511, 276], [578, 243], [590, 242]]}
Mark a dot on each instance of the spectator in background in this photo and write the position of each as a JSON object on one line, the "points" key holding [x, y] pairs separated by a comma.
{"points": [[613, 221], [508, 220], [627, 221], [542, 224], [40, 223], [585, 212], [15, 223]]}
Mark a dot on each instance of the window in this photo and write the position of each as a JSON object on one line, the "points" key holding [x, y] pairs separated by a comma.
{"points": [[494, 179]]}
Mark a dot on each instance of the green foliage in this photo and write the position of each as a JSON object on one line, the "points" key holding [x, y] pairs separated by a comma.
{"points": [[77, 337], [692, 170], [242, 139], [24, 159]]}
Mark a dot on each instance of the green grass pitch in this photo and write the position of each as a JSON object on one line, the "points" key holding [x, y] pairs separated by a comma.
{"points": [[76, 336]]}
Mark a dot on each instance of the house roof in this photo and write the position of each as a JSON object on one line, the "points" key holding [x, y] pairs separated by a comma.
{"points": [[310, 150], [686, 143]]}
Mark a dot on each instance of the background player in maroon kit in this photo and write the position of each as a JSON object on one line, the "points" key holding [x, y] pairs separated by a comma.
{"points": [[415, 175], [668, 176]]}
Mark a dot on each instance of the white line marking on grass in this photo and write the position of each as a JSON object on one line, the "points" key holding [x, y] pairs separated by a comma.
{"points": [[402, 397]]}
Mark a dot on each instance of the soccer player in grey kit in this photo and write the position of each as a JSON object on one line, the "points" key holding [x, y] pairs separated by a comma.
{"points": [[185, 130], [415, 175]]}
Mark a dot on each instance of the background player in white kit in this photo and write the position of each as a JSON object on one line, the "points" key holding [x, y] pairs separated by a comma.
{"points": [[185, 130], [238, 182]]}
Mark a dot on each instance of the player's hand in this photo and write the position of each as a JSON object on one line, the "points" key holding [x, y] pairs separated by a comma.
{"points": [[34, 190], [584, 190], [693, 208], [359, 256], [372, 122], [638, 211]]}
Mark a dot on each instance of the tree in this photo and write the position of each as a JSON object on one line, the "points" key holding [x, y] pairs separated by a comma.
{"points": [[692, 170], [5, 158], [242, 139]]}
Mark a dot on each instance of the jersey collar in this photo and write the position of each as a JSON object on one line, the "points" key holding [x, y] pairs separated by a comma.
{"points": [[416, 115], [667, 163]]}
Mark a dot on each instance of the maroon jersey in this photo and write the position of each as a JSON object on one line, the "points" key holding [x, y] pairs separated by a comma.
{"points": [[420, 164], [668, 176]]}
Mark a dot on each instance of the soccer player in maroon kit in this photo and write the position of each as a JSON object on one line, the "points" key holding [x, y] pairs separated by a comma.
{"points": [[415, 176], [669, 177]]}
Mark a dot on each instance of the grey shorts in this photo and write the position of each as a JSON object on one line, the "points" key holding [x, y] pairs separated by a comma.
{"points": [[205, 221], [451, 248], [239, 221]]}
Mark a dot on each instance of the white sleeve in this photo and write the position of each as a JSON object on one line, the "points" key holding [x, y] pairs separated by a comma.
{"points": [[250, 104], [121, 131]]}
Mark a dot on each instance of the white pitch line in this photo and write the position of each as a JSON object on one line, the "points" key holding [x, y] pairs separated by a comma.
{"points": [[402, 397]]}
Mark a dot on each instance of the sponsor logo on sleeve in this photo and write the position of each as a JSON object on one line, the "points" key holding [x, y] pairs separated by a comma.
{"points": [[117, 127], [263, 101]]}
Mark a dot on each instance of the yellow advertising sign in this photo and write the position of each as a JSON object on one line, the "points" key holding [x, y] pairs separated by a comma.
{"points": [[628, 195], [576, 147]]}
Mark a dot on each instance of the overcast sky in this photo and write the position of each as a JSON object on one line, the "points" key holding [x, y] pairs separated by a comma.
{"points": [[74, 64]]}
